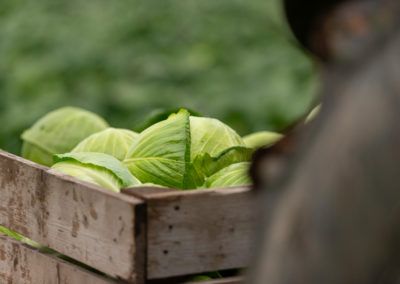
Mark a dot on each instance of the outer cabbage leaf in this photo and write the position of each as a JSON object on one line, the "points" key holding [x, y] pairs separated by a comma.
{"points": [[59, 131], [262, 139], [209, 135], [161, 154], [214, 145], [313, 113], [36, 154], [204, 165], [97, 168], [148, 184], [233, 175], [112, 141]]}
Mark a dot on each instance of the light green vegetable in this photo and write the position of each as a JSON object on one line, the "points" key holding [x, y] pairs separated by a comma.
{"points": [[261, 139], [59, 132], [48, 250], [211, 136], [313, 113], [26, 240], [36, 154], [11, 233], [214, 145], [161, 154], [204, 165], [147, 184], [97, 168], [181, 151], [204, 276], [233, 175], [199, 278], [112, 141]]}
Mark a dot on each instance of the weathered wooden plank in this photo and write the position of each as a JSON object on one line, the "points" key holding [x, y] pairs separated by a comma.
{"points": [[22, 264], [196, 231], [93, 225], [230, 280]]}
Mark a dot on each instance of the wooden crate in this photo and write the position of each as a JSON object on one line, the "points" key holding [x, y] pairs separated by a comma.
{"points": [[140, 235]]}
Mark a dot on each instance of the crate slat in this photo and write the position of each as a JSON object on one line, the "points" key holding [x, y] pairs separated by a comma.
{"points": [[22, 264], [93, 225], [196, 231]]}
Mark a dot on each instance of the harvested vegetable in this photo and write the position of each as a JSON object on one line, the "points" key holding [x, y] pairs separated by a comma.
{"points": [[59, 132], [112, 141], [97, 168], [233, 175], [261, 139]]}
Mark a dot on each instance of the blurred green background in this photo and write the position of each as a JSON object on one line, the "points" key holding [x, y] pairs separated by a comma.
{"points": [[230, 59]]}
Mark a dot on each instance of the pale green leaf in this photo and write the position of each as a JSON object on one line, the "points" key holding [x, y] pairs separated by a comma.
{"points": [[233, 175], [36, 154], [112, 141], [209, 135], [261, 139], [98, 168], [204, 165], [313, 113], [161, 153], [59, 132]]}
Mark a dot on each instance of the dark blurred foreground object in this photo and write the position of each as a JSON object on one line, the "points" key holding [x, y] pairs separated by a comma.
{"points": [[330, 193]]}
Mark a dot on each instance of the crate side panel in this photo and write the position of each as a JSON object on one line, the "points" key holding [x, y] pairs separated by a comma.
{"points": [[22, 264], [191, 232], [86, 222]]}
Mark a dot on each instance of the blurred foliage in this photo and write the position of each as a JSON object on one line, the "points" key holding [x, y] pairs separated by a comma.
{"points": [[230, 59]]}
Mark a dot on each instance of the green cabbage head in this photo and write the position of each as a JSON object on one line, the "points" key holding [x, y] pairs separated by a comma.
{"points": [[112, 141], [98, 168], [161, 153], [181, 151], [59, 132], [214, 146], [233, 175]]}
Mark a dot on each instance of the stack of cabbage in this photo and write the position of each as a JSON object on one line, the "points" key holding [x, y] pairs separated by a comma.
{"points": [[182, 151]]}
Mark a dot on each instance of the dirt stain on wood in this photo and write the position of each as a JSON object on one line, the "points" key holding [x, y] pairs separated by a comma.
{"points": [[75, 225], [74, 195], [41, 193], [2, 253], [93, 212], [33, 200], [85, 221], [122, 228], [7, 173]]}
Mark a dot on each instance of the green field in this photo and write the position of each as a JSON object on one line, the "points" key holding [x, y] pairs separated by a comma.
{"points": [[230, 59]]}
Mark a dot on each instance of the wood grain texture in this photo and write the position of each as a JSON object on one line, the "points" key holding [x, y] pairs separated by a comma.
{"points": [[88, 223], [21, 264], [197, 231]]}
